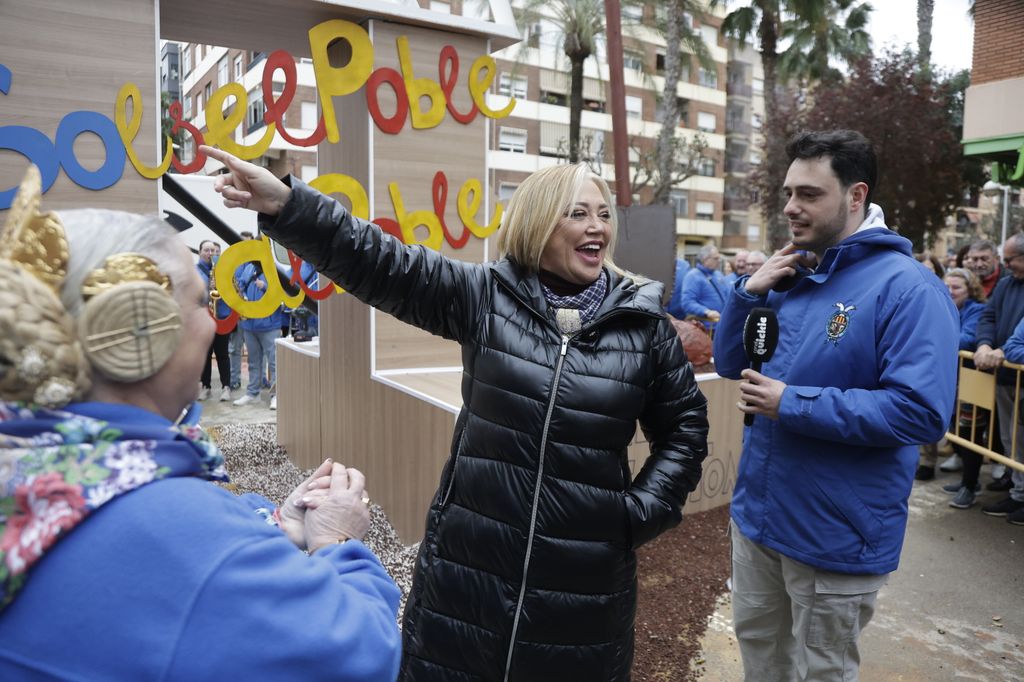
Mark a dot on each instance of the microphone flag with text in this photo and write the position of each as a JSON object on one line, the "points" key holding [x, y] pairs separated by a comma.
{"points": [[760, 338]]}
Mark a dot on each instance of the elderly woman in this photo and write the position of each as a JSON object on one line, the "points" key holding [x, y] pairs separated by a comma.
{"points": [[527, 570], [969, 296], [119, 560]]}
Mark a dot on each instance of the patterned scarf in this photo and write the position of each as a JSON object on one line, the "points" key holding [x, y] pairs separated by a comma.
{"points": [[572, 312], [57, 467]]}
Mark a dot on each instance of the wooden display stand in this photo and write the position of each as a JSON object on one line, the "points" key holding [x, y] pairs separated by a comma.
{"points": [[374, 393]]}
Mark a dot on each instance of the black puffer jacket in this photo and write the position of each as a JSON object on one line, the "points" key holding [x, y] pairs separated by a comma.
{"points": [[537, 484]]}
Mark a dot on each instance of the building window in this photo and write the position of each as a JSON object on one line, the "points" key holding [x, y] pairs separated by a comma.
{"points": [[633, 12], [476, 9], [207, 91], [238, 68], [506, 190], [556, 98], [706, 167], [708, 78], [634, 107], [254, 117], [186, 108], [705, 210], [756, 122], [186, 60], [199, 103], [755, 158], [709, 34], [512, 140], [633, 60], [512, 86], [222, 72], [309, 117], [753, 233], [659, 64], [680, 202], [706, 122], [758, 86]]}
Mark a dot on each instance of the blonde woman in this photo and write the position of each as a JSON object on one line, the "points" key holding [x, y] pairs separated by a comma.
{"points": [[527, 570]]}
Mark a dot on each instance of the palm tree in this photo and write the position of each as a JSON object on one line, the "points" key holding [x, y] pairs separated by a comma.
{"points": [[925, 10], [820, 30], [678, 34], [578, 23], [764, 17]]}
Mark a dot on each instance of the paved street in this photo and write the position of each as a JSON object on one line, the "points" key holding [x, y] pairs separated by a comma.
{"points": [[953, 611]]}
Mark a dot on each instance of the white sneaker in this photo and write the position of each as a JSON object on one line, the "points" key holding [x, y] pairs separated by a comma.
{"points": [[246, 399], [951, 464], [204, 393], [273, 403], [998, 471], [225, 394]]}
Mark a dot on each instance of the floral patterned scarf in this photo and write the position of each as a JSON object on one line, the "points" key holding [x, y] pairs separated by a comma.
{"points": [[57, 467]]}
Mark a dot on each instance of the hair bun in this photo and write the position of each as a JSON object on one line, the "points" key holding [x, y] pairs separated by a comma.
{"points": [[41, 360], [130, 331]]}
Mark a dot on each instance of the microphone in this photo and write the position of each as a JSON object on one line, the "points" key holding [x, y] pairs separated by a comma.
{"points": [[760, 338]]}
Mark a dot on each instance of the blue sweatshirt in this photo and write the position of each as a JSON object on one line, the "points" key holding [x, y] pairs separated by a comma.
{"points": [[1005, 308], [704, 290], [868, 352], [181, 580]]}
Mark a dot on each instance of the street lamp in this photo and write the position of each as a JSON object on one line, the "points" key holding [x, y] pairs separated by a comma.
{"points": [[991, 189]]}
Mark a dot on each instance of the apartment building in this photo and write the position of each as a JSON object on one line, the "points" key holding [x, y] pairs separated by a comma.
{"points": [[205, 68], [711, 205], [742, 222], [536, 73]]}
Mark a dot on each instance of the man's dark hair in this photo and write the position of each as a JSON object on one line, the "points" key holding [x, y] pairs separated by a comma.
{"points": [[851, 154], [245, 235], [206, 241]]}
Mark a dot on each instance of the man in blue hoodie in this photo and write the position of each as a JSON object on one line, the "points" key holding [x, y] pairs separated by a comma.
{"points": [[865, 369], [705, 287]]}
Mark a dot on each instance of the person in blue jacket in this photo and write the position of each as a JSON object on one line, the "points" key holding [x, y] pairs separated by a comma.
{"points": [[705, 288], [864, 370], [675, 303], [968, 296], [999, 321], [119, 559], [259, 334], [209, 251]]}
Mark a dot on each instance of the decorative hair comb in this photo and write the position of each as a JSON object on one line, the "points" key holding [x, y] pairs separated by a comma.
{"points": [[35, 240]]}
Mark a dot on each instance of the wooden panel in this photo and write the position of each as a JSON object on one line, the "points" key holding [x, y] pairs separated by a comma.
{"points": [[298, 426], [61, 59], [399, 441], [401, 346], [725, 442]]}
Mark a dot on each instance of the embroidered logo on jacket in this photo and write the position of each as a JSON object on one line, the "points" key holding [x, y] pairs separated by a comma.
{"points": [[838, 323]]}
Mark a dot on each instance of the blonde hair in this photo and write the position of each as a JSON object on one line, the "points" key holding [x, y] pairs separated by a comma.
{"points": [[540, 201], [975, 290]]}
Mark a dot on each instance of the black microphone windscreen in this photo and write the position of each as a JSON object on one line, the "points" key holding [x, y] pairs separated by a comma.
{"points": [[760, 334]]}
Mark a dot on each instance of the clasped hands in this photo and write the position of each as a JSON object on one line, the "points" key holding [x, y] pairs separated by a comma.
{"points": [[328, 507], [986, 357]]}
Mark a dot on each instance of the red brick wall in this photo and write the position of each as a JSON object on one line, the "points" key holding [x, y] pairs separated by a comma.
{"points": [[998, 40]]}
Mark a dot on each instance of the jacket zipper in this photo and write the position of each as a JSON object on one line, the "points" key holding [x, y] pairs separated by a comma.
{"points": [[536, 500], [455, 463]]}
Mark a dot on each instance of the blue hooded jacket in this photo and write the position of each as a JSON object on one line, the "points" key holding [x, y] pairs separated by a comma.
{"points": [[246, 277], [867, 350], [704, 290]]}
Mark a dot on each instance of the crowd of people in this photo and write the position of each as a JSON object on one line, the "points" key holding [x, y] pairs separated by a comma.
{"points": [[527, 568]]}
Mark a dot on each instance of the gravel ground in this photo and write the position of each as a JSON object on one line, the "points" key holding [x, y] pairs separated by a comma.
{"points": [[256, 463], [681, 574]]}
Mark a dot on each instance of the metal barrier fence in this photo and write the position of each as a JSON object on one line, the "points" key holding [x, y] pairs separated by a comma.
{"points": [[976, 391]]}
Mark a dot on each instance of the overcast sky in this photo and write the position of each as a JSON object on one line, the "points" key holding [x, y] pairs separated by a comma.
{"points": [[894, 22]]}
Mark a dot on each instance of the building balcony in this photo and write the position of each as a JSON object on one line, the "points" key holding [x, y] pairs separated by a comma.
{"points": [[736, 166], [735, 204], [738, 90], [741, 128]]}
